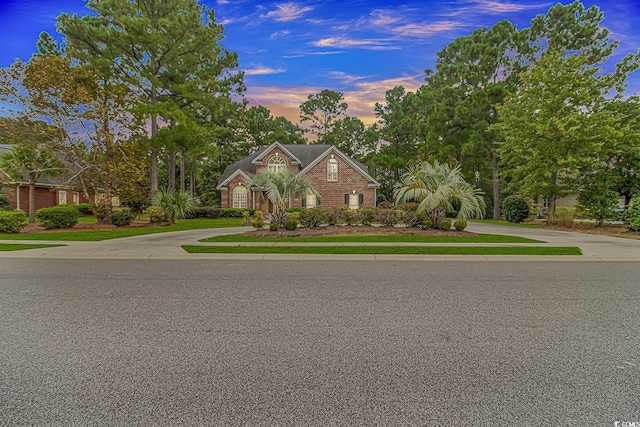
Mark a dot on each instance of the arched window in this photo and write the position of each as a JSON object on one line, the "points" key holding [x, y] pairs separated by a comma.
{"points": [[277, 164], [332, 170], [240, 196]]}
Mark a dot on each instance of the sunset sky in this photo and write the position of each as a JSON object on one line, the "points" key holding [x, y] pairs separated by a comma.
{"points": [[289, 50]]}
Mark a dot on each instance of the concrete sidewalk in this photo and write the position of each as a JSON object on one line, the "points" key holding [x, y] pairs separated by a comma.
{"points": [[168, 246]]}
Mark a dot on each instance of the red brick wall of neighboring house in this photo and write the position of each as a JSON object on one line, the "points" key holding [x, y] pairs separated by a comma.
{"points": [[332, 193], [265, 160], [44, 197]]}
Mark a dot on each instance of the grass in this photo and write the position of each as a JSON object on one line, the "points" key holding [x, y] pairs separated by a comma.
{"points": [[507, 223], [482, 238], [4, 247], [99, 235], [88, 219], [387, 250]]}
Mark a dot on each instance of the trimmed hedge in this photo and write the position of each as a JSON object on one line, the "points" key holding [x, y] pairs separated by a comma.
{"points": [[445, 225], [213, 212], [58, 217], [12, 221], [156, 214], [121, 218], [460, 224]]}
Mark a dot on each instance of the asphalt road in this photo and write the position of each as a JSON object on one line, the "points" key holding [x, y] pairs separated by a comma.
{"points": [[214, 342]]}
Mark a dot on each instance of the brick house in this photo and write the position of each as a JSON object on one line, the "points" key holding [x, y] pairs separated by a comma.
{"points": [[48, 191], [339, 179]]}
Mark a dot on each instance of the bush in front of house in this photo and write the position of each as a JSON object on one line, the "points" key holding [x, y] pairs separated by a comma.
{"points": [[156, 214], [273, 226], [5, 205], [12, 221], [313, 217], [515, 209], [258, 224], [84, 209], [121, 218], [631, 217], [235, 212], [291, 224], [57, 217], [445, 225], [460, 224]]}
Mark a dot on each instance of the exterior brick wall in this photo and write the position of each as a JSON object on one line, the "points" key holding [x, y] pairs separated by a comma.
{"points": [[44, 197]]}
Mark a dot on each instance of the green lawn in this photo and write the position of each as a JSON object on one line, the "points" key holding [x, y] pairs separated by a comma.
{"points": [[88, 219], [99, 235], [387, 250], [481, 238], [20, 246], [507, 223]]}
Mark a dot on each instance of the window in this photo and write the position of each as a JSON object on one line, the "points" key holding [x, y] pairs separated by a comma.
{"points": [[115, 201], [354, 201], [311, 201], [240, 196], [332, 170], [62, 197], [76, 198], [277, 164]]}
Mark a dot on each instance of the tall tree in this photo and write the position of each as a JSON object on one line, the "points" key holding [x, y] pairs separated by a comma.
{"points": [[555, 125], [473, 75], [169, 52], [260, 129], [322, 111], [399, 126]]}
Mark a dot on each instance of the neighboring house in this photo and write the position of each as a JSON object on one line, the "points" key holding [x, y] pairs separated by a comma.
{"points": [[339, 179], [49, 191]]}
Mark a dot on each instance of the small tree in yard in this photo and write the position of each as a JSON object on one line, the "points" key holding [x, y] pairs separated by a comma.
{"points": [[438, 189], [279, 188]]}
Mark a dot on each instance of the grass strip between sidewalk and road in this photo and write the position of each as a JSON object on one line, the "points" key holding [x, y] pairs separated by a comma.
{"points": [[5, 247], [386, 250], [99, 235], [354, 238]]}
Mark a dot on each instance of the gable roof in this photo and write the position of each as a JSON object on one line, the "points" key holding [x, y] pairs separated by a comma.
{"points": [[304, 155], [43, 180]]}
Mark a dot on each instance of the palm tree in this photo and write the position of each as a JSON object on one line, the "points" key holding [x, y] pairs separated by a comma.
{"points": [[279, 187], [34, 161], [175, 204], [438, 189]]}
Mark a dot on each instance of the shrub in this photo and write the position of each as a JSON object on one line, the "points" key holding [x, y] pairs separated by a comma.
{"points": [[426, 224], [313, 217], [121, 218], [246, 218], [460, 224], [387, 216], [12, 221], [259, 215], [58, 217], [515, 209], [156, 214], [258, 224], [632, 217], [291, 224], [562, 217], [235, 212], [273, 226], [445, 225], [84, 208], [210, 212], [176, 204]]}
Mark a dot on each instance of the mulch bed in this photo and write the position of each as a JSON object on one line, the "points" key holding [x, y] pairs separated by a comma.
{"points": [[341, 230], [612, 230]]}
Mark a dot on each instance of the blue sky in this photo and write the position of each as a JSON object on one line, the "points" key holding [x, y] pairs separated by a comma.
{"points": [[361, 48]]}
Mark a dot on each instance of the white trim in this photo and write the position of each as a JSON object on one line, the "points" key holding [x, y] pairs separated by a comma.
{"points": [[294, 159]]}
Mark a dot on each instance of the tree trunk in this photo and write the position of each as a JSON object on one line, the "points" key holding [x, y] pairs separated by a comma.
{"points": [[32, 198], [154, 150], [108, 205], [182, 182], [192, 183], [496, 186], [171, 169]]}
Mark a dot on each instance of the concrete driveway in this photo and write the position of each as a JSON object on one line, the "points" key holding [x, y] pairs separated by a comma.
{"points": [[168, 246]]}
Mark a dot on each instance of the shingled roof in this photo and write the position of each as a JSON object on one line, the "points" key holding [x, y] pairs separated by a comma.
{"points": [[306, 154]]}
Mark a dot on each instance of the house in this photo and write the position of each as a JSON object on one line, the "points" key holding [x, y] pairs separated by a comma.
{"points": [[49, 191], [339, 179]]}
